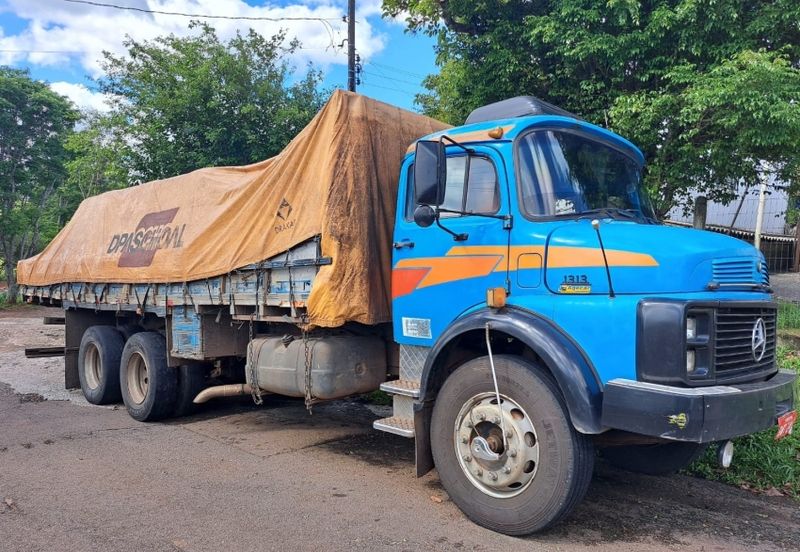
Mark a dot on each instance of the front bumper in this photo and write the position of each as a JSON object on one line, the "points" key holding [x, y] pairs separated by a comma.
{"points": [[700, 414]]}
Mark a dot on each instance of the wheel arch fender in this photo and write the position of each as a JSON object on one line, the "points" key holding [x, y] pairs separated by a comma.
{"points": [[559, 354]]}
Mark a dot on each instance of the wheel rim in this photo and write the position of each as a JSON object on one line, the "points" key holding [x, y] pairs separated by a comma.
{"points": [[92, 366], [516, 465], [137, 378]]}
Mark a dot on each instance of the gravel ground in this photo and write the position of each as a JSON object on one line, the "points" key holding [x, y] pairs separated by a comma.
{"points": [[238, 477], [786, 286]]}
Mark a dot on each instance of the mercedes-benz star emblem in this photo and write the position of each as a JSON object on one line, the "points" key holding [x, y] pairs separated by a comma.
{"points": [[759, 341]]}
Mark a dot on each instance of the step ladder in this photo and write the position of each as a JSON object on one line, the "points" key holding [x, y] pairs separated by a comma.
{"points": [[404, 391]]}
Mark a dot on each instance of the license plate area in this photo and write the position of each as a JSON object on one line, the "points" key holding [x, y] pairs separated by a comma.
{"points": [[786, 424]]}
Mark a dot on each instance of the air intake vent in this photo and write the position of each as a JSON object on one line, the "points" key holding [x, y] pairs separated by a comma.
{"points": [[764, 273], [737, 272]]}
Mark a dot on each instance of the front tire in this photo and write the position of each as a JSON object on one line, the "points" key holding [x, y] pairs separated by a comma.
{"points": [[537, 476], [149, 386], [98, 364]]}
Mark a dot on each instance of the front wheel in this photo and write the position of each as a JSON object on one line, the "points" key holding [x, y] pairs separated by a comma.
{"points": [[525, 482]]}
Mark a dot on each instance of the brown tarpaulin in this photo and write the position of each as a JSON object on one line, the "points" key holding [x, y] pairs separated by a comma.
{"points": [[337, 178]]}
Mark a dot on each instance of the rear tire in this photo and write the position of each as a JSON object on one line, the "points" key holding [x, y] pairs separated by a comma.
{"points": [[98, 364], [659, 459], [547, 467], [149, 386], [192, 378]]}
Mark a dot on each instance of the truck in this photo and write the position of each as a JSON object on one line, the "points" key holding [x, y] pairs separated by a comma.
{"points": [[505, 281]]}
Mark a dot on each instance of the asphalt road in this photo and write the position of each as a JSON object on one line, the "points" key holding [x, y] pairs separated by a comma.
{"points": [[239, 477]]}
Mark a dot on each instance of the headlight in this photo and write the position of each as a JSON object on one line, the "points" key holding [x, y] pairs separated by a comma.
{"points": [[691, 328], [690, 361]]}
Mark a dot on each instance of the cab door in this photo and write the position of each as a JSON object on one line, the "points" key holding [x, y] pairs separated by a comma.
{"points": [[436, 276]]}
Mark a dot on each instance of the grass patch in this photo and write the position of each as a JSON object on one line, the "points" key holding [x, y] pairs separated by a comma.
{"points": [[788, 315], [759, 461], [379, 397]]}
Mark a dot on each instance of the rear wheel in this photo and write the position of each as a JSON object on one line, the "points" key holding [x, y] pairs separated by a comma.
{"points": [[98, 364], [149, 386], [521, 484], [658, 459], [192, 378]]}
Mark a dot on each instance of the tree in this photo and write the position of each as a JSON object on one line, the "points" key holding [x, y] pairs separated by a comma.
{"points": [[194, 102], [707, 89], [34, 122], [99, 160]]}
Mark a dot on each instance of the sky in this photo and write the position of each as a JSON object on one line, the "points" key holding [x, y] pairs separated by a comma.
{"points": [[60, 41]]}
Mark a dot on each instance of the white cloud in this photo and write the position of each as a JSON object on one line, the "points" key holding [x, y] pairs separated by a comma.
{"points": [[84, 31], [81, 96]]}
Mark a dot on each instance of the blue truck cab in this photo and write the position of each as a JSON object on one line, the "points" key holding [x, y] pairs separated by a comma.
{"points": [[541, 311]]}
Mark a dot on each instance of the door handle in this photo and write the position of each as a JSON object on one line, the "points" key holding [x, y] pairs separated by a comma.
{"points": [[403, 243]]}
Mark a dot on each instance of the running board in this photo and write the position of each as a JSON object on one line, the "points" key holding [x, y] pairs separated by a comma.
{"points": [[406, 388], [403, 427]]}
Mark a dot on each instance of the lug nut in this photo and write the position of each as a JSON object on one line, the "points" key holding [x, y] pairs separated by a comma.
{"points": [[512, 453], [481, 416], [509, 434], [469, 424], [467, 458], [479, 472], [496, 420], [493, 476], [465, 440], [506, 470]]}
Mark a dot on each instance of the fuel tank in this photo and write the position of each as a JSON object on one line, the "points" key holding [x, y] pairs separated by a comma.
{"points": [[341, 365]]}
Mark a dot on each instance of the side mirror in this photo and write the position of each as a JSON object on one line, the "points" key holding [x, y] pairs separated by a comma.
{"points": [[424, 215], [429, 173]]}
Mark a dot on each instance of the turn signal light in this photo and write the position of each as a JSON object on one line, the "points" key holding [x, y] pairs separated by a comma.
{"points": [[496, 297]]}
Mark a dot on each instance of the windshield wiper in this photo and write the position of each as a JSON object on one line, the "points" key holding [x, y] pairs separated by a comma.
{"points": [[611, 212]]}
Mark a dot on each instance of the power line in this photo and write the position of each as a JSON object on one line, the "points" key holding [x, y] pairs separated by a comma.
{"points": [[392, 89], [397, 69], [325, 21], [87, 52], [382, 76], [46, 52], [200, 15]]}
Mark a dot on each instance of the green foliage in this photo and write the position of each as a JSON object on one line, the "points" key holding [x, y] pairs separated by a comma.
{"points": [[379, 397], [193, 102], [99, 157], [788, 315], [708, 90], [759, 461], [35, 123]]}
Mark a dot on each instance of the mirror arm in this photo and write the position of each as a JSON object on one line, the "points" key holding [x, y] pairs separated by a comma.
{"points": [[507, 218], [444, 137], [456, 237]]}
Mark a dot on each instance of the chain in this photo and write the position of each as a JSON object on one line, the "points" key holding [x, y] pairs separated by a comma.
{"points": [[255, 390], [307, 350]]}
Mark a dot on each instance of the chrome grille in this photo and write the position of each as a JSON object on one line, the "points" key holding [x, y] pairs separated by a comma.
{"points": [[741, 271], [733, 352]]}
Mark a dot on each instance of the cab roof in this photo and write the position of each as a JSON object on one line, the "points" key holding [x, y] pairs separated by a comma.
{"points": [[517, 116]]}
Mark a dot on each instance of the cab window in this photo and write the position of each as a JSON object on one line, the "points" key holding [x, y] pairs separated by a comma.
{"points": [[471, 186]]}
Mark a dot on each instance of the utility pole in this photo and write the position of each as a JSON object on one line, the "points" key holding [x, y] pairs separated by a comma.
{"points": [[351, 45]]}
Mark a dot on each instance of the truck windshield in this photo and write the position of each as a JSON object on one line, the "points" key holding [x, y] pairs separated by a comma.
{"points": [[564, 174]]}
